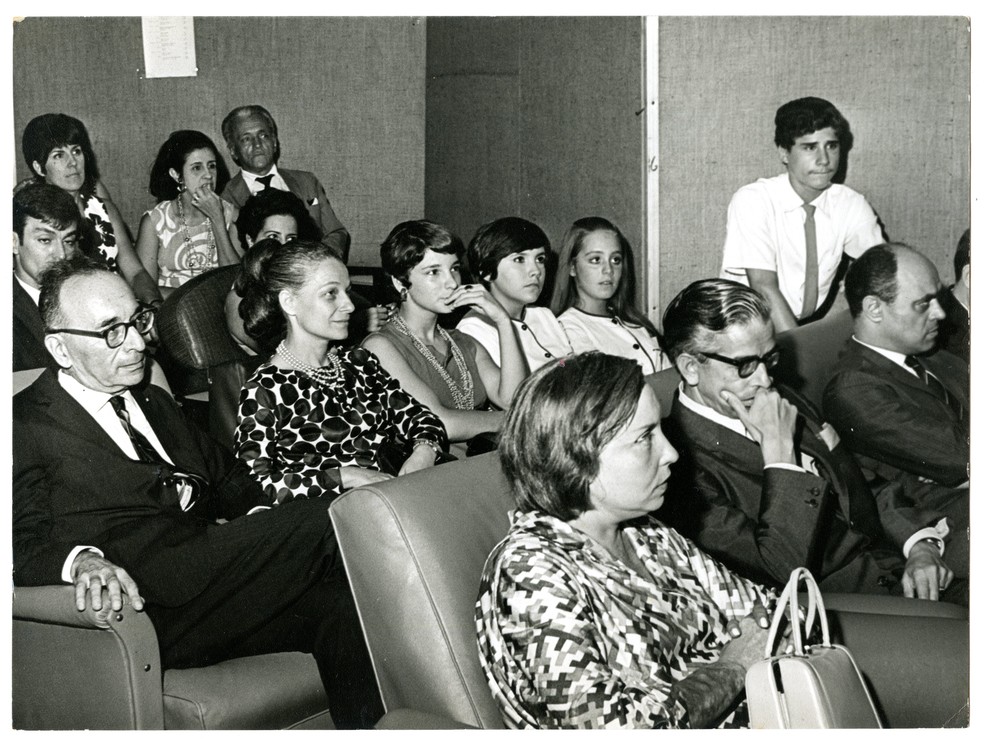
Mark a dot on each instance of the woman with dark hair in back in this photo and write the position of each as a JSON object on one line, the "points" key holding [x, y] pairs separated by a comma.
{"points": [[313, 419], [451, 373], [58, 150], [191, 229], [594, 296]]}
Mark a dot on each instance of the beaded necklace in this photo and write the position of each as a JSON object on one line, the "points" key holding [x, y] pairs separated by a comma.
{"points": [[328, 376], [463, 397], [210, 237]]}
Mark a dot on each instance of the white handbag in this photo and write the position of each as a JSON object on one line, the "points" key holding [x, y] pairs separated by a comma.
{"points": [[817, 686]]}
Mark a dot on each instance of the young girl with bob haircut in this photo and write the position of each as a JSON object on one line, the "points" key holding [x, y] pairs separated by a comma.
{"points": [[595, 292], [449, 372], [509, 257], [314, 420], [590, 613]]}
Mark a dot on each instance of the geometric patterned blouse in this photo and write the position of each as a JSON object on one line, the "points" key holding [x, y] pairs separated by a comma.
{"points": [[570, 637], [295, 436]]}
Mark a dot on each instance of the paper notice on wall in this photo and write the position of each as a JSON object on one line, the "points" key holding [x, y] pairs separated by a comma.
{"points": [[169, 46]]}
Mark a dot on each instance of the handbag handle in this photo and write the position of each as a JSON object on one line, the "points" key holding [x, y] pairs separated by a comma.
{"points": [[789, 599]]}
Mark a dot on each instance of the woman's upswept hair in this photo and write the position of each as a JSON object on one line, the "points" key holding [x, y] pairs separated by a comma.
{"points": [[406, 244], [559, 421], [266, 269], [274, 202], [173, 154], [706, 307], [52, 130], [622, 303]]}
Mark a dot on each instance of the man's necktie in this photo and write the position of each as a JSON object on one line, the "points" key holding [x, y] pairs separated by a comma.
{"points": [[933, 383], [811, 286], [181, 489], [265, 179], [145, 450]]}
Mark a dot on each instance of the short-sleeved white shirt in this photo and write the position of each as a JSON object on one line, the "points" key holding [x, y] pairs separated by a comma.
{"points": [[541, 336], [611, 335], [765, 231]]}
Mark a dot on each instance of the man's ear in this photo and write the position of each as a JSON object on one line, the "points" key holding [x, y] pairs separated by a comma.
{"points": [[783, 154], [57, 349], [286, 299], [38, 168], [965, 276], [688, 365], [17, 244], [871, 308]]}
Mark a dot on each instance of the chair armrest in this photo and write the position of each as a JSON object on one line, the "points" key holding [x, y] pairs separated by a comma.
{"points": [[82, 670], [55, 604], [408, 718]]}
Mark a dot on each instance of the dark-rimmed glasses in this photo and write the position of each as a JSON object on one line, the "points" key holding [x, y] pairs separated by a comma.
{"points": [[746, 366], [114, 335]]}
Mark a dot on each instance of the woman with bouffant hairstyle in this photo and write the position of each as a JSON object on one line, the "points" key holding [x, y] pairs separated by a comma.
{"points": [[315, 419]]}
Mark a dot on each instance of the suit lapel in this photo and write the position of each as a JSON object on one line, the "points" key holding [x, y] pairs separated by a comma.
{"points": [[880, 365]]}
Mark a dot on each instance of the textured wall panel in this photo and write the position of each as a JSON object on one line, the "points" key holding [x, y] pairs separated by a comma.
{"points": [[347, 93], [903, 83], [534, 117]]}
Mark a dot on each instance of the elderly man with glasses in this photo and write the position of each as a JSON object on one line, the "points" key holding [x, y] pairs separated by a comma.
{"points": [[115, 492], [762, 482]]}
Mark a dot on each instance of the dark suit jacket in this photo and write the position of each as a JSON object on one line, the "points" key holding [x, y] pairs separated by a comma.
{"points": [[73, 486], [893, 422], [955, 328], [307, 187], [763, 523], [29, 351]]}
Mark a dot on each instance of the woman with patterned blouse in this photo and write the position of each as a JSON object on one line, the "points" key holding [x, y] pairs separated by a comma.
{"points": [[314, 420], [449, 372], [191, 229], [590, 613], [58, 151]]}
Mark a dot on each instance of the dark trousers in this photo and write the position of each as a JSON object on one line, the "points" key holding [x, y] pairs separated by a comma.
{"points": [[279, 586]]}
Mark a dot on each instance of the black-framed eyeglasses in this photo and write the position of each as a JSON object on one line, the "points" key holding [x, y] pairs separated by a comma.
{"points": [[114, 335], [746, 366]]}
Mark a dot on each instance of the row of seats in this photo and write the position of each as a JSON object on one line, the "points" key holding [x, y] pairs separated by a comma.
{"points": [[415, 582]]}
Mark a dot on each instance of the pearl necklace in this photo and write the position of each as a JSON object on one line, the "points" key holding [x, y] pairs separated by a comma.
{"points": [[328, 376], [463, 397], [210, 238]]}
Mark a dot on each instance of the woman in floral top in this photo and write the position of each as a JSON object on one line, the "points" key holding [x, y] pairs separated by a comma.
{"points": [[591, 614], [313, 420]]}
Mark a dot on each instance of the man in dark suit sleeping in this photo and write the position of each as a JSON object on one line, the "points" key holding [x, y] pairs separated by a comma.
{"points": [[762, 482], [116, 493], [251, 135], [902, 407]]}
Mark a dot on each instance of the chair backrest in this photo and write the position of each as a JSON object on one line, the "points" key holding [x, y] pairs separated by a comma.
{"points": [[191, 323], [664, 383], [414, 548], [809, 353]]}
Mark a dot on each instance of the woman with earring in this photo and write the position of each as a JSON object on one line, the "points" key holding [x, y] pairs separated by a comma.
{"points": [[191, 229], [315, 420], [58, 150], [450, 373], [594, 296]]}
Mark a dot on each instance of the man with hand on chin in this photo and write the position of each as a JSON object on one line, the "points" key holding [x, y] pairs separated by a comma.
{"points": [[762, 482]]}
